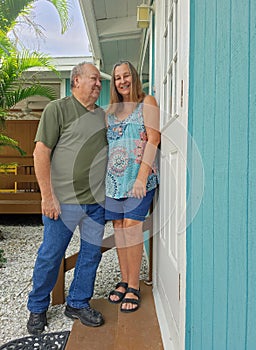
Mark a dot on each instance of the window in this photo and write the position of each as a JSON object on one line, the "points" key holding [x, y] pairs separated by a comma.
{"points": [[170, 51]]}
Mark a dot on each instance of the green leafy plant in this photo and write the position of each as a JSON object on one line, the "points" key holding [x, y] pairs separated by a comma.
{"points": [[13, 86], [14, 63], [7, 141]]}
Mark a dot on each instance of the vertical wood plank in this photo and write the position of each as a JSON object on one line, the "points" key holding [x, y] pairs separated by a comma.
{"points": [[208, 120], [194, 237], [221, 176], [238, 176], [251, 307]]}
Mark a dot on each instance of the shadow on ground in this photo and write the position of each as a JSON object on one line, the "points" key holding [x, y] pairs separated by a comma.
{"points": [[21, 219]]}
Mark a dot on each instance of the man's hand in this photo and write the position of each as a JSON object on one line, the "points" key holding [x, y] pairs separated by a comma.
{"points": [[51, 208]]}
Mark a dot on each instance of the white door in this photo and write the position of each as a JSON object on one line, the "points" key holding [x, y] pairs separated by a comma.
{"points": [[172, 50]]}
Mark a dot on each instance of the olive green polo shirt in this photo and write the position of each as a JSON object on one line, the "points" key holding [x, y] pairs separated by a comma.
{"points": [[77, 138]]}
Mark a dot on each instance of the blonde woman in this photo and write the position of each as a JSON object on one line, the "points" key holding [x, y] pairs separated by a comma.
{"points": [[132, 175]]}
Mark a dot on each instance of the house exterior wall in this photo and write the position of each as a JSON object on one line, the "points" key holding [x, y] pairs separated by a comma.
{"points": [[103, 100], [221, 241]]}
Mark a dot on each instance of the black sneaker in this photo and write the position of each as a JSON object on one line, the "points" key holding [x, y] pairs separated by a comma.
{"points": [[36, 323], [88, 316]]}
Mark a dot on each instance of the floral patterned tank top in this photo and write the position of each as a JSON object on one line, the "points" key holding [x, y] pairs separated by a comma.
{"points": [[127, 140]]}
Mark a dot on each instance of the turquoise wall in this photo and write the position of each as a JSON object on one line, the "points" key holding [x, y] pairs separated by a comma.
{"points": [[68, 92], [221, 241], [104, 95], [103, 100]]}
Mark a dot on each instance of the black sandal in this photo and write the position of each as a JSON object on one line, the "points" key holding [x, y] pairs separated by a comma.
{"points": [[131, 300], [119, 294]]}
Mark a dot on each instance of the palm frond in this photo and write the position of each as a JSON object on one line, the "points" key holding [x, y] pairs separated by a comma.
{"points": [[5, 44], [17, 95], [14, 87], [24, 60], [3, 113], [62, 7], [7, 141], [10, 10]]}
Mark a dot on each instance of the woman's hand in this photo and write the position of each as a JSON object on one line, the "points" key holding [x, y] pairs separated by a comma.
{"points": [[139, 189]]}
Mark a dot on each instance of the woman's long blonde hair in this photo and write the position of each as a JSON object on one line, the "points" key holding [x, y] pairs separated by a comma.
{"points": [[136, 95]]}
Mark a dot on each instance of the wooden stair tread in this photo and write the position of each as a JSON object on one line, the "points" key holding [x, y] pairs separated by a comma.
{"points": [[121, 331]]}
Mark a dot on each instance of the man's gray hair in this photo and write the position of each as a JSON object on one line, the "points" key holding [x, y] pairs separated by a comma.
{"points": [[77, 70]]}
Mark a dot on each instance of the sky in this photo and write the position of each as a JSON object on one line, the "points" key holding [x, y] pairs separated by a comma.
{"points": [[73, 43]]}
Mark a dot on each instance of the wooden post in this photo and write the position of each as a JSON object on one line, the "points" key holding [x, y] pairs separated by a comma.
{"points": [[58, 293]]}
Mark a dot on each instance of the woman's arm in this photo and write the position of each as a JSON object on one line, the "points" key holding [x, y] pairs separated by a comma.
{"points": [[151, 120]]}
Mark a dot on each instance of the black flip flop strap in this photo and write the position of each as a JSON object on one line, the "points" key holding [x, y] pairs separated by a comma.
{"points": [[134, 291], [117, 293], [131, 301], [122, 284]]}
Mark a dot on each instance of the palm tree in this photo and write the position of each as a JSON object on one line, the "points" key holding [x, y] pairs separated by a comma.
{"points": [[13, 12], [13, 64], [13, 87], [10, 10]]}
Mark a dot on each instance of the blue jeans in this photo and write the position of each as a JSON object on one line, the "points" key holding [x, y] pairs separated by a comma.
{"points": [[57, 235]]}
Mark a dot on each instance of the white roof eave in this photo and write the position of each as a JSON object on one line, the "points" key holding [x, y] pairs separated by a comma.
{"points": [[92, 32]]}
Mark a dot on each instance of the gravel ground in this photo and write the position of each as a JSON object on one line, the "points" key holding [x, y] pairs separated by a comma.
{"points": [[20, 238]]}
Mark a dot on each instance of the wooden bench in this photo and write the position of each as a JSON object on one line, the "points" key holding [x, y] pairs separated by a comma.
{"points": [[8, 169], [19, 190]]}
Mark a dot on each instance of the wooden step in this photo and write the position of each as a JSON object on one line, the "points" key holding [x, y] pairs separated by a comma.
{"points": [[121, 331]]}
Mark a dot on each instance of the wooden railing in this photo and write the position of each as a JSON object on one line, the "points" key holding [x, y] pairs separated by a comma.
{"points": [[19, 192]]}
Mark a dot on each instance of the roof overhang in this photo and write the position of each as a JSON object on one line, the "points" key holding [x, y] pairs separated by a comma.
{"points": [[112, 31]]}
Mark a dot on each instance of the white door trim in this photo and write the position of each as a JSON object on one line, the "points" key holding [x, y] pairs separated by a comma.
{"points": [[181, 111]]}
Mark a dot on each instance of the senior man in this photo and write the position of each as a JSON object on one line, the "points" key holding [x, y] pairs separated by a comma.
{"points": [[70, 160]]}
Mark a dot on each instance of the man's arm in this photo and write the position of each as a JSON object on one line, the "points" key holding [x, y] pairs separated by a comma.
{"points": [[42, 163]]}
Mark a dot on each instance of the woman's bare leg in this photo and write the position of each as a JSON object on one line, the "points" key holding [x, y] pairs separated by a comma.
{"points": [[122, 255], [134, 251]]}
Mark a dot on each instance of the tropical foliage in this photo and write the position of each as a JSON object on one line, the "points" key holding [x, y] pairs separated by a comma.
{"points": [[13, 63], [11, 10], [7, 141], [13, 86]]}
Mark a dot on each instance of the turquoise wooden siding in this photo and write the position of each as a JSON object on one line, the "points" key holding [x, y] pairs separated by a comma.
{"points": [[68, 92], [104, 95], [103, 100], [221, 241]]}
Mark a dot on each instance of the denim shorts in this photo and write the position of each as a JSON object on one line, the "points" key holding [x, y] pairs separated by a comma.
{"points": [[128, 208]]}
